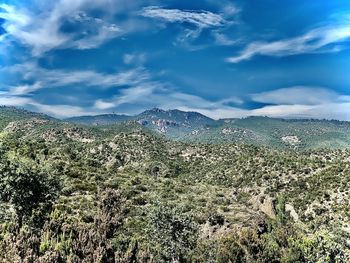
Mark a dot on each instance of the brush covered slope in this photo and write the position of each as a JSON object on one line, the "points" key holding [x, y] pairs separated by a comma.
{"points": [[264, 131], [123, 193]]}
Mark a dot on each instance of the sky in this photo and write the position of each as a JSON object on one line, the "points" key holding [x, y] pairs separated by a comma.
{"points": [[222, 58]]}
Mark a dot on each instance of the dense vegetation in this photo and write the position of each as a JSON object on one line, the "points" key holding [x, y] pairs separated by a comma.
{"points": [[125, 194]]}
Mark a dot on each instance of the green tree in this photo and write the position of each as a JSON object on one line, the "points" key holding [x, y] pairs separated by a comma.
{"points": [[174, 233], [26, 190]]}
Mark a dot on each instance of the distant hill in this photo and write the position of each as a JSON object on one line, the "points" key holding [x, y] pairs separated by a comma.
{"points": [[265, 131], [279, 133], [104, 119]]}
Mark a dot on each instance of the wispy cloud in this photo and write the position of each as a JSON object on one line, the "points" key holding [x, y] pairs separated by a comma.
{"points": [[41, 30], [321, 39], [335, 111], [194, 21], [223, 40], [201, 19], [134, 58], [8, 100], [52, 109], [304, 95], [156, 94], [303, 102], [45, 78], [62, 111]]}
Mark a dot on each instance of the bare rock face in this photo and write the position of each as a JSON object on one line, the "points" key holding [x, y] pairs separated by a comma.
{"points": [[293, 214], [268, 208], [264, 204], [72, 133], [291, 140]]}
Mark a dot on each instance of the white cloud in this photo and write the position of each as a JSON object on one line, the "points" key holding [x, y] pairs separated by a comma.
{"points": [[103, 105], [53, 110], [337, 111], [25, 89], [155, 94], [330, 111], [297, 95], [134, 58], [303, 102], [322, 39], [201, 19], [13, 100], [45, 78], [62, 111], [138, 95], [223, 40], [41, 29]]}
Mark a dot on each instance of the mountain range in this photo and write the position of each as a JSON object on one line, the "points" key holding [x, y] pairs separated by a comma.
{"points": [[300, 134], [195, 127]]}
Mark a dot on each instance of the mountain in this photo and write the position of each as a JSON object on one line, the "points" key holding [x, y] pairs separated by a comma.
{"points": [[264, 131], [174, 123], [126, 193], [182, 118]]}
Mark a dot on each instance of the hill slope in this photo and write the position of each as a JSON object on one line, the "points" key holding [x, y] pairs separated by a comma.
{"points": [[10, 114]]}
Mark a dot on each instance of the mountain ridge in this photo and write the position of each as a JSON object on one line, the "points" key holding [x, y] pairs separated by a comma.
{"points": [[195, 127], [159, 110], [259, 130]]}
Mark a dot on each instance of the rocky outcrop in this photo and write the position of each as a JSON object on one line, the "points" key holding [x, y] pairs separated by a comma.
{"points": [[264, 204], [24, 125], [293, 214]]}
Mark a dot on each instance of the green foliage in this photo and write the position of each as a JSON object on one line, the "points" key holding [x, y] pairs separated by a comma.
{"points": [[281, 209], [173, 233], [322, 247], [26, 190]]}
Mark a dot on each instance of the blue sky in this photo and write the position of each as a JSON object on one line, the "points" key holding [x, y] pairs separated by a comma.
{"points": [[221, 58]]}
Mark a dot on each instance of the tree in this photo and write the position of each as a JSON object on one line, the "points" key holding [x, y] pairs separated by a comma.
{"points": [[26, 190], [174, 232]]}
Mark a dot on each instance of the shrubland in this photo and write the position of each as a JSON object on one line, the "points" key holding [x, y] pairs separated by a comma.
{"points": [[125, 194]]}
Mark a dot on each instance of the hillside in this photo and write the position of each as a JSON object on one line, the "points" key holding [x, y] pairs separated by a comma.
{"points": [[263, 131], [9, 114], [122, 193]]}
